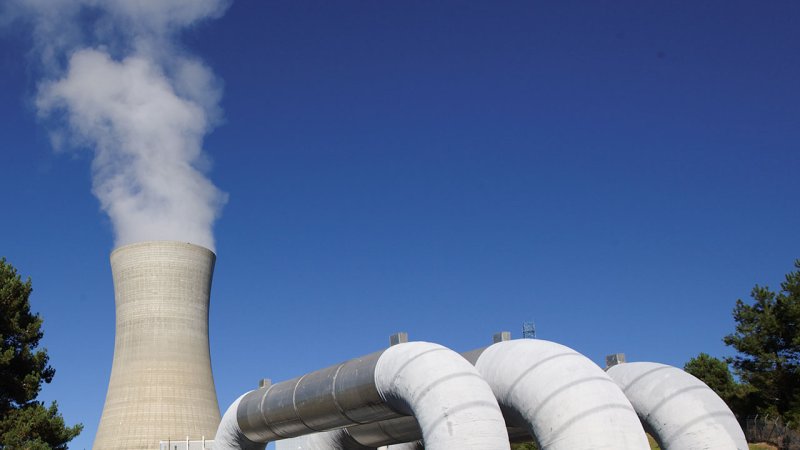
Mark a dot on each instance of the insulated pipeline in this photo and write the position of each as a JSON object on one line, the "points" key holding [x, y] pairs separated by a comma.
{"points": [[453, 405], [566, 401], [680, 411], [543, 388], [340, 395]]}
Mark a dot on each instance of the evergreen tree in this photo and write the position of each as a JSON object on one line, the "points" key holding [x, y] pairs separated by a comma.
{"points": [[24, 422], [767, 338], [715, 373]]}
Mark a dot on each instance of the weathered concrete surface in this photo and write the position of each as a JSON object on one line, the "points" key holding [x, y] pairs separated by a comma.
{"points": [[161, 383]]}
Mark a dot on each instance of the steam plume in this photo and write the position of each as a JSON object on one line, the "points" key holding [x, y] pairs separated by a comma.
{"points": [[117, 82]]}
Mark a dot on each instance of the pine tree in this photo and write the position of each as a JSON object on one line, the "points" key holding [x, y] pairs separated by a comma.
{"points": [[767, 338], [25, 422]]}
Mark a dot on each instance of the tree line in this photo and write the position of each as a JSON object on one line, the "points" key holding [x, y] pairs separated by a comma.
{"points": [[766, 369]]}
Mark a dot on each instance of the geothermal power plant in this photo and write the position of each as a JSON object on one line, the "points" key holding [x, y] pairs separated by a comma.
{"points": [[411, 395]]}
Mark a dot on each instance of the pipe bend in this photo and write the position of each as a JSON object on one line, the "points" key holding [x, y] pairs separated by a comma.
{"points": [[679, 410], [230, 436], [567, 401], [454, 406]]}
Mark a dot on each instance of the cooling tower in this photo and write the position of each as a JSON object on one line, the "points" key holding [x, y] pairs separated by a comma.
{"points": [[161, 385]]}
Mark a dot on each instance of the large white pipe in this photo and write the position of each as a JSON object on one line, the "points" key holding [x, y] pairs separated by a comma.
{"points": [[680, 411], [559, 395], [454, 406], [567, 401]]}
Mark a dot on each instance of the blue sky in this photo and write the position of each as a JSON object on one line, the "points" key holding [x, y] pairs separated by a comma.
{"points": [[618, 172]]}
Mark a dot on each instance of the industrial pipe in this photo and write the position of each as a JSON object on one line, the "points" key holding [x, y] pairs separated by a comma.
{"points": [[566, 401], [392, 434], [385, 432], [230, 435], [359, 437], [679, 410], [545, 389], [417, 445], [326, 440], [454, 406]]}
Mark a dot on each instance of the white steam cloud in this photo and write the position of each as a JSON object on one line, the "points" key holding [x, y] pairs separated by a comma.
{"points": [[116, 81]]}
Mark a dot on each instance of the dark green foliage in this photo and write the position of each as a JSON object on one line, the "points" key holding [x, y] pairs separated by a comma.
{"points": [[715, 373], [767, 338], [35, 427], [524, 446], [22, 370], [24, 422]]}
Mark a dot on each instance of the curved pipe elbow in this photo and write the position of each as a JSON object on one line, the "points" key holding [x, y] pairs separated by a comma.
{"points": [[453, 404], [679, 410], [230, 436], [567, 401]]}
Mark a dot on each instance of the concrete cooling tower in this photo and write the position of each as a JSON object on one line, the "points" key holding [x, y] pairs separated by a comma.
{"points": [[161, 386]]}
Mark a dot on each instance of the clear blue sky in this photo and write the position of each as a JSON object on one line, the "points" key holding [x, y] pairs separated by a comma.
{"points": [[618, 172]]}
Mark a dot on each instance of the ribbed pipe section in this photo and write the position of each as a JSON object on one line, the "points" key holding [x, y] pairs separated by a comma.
{"points": [[543, 388], [454, 406], [161, 385], [385, 432], [566, 400], [680, 411], [337, 396]]}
